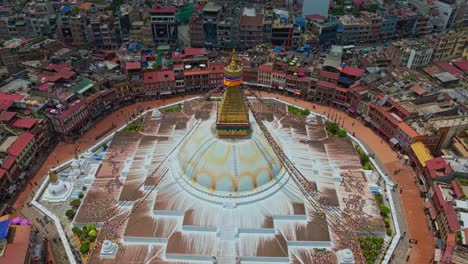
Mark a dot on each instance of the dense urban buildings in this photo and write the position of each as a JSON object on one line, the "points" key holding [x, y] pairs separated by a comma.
{"points": [[399, 67]]}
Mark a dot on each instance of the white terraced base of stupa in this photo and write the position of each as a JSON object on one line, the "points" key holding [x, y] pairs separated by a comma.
{"points": [[109, 249], [58, 191]]}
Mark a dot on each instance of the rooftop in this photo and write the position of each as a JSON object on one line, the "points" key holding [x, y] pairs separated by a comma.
{"points": [[20, 143], [422, 153]]}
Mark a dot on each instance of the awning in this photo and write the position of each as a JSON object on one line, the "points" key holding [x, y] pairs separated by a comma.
{"points": [[180, 90], [281, 88], [394, 141], [352, 110], [367, 119], [166, 92], [297, 93], [384, 132]]}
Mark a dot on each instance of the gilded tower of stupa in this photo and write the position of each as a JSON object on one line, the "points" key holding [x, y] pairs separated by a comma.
{"points": [[233, 116]]}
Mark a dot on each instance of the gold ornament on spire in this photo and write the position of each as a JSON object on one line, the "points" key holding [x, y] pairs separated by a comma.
{"points": [[52, 176]]}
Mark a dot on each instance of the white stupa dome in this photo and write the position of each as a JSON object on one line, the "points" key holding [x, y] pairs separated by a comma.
{"points": [[227, 165]]}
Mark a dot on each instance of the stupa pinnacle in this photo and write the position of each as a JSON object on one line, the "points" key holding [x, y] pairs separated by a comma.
{"points": [[233, 117]]}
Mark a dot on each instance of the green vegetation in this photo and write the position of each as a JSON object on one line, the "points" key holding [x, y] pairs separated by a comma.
{"points": [[81, 195], [371, 247], [86, 235], [69, 213], [365, 161], [134, 126], [38, 115], [334, 130], [458, 238], [215, 99], [175, 108], [84, 248], [410, 77], [75, 203], [385, 212], [297, 111], [462, 181]]}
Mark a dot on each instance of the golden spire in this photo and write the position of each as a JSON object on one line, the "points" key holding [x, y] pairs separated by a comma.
{"points": [[52, 176]]}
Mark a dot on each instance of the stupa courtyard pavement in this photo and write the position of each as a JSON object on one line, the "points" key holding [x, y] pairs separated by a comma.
{"points": [[174, 192]]}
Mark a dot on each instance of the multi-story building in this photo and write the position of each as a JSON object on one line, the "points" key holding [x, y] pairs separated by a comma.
{"points": [[125, 16], [265, 74], [42, 17], [102, 27], [447, 14], [448, 45], [71, 28], [211, 17], [158, 83], [359, 30], [325, 29], [163, 25], [68, 120], [413, 54], [196, 31], [387, 116], [251, 31]]}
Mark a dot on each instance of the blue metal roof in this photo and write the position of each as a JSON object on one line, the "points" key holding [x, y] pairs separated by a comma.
{"points": [[4, 226]]}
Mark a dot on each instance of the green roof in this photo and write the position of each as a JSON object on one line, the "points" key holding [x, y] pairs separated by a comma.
{"points": [[82, 86]]}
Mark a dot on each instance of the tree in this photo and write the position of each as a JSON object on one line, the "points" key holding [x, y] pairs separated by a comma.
{"points": [[90, 227], [84, 248], [81, 195], [69, 213], [92, 233], [77, 231], [342, 133], [75, 203], [384, 210]]}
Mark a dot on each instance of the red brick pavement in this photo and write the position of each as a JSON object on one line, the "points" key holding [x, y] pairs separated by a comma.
{"points": [[411, 201]]}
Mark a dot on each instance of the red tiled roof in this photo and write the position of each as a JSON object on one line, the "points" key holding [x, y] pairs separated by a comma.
{"points": [[133, 65], [408, 130], [5, 104], [438, 167], [160, 9], [329, 75], [326, 84], [24, 122], [451, 215], [158, 76], [352, 71], [449, 68], [217, 68], [17, 250], [7, 116], [417, 89], [62, 74], [457, 189], [43, 87], [357, 88], [9, 161], [315, 17], [264, 67], [12, 97], [20, 143], [71, 109], [194, 52], [58, 67], [462, 65]]}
